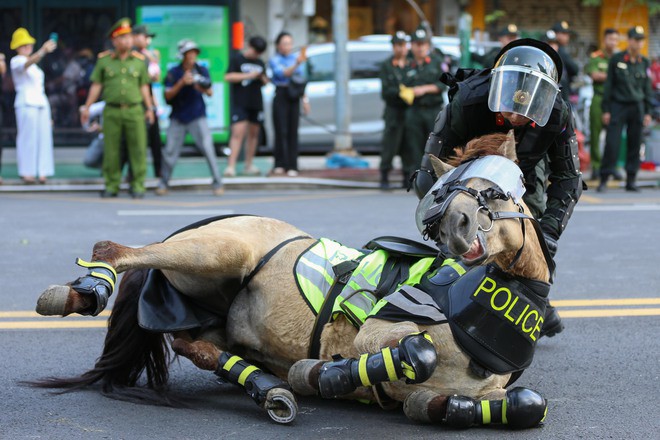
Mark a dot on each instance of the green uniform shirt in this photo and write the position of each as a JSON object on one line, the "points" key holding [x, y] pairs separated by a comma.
{"points": [[391, 76], [597, 63], [627, 81], [428, 72], [121, 79]]}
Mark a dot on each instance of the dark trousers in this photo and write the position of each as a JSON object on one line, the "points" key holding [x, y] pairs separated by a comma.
{"points": [[419, 123], [286, 117], [155, 145], [632, 116], [393, 139]]}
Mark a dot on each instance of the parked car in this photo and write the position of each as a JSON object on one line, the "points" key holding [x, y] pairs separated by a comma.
{"points": [[317, 131]]}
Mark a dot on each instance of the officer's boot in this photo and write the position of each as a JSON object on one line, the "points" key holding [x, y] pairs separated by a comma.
{"points": [[552, 322], [415, 359], [384, 179], [602, 186], [631, 184], [268, 391], [522, 408], [406, 184]]}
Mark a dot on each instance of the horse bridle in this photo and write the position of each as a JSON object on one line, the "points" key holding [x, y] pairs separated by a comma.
{"points": [[444, 195]]}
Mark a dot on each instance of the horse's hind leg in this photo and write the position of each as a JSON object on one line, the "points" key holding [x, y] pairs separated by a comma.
{"points": [[519, 409], [267, 390]]}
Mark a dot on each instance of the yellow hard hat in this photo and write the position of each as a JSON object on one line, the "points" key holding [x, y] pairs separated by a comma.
{"points": [[21, 37]]}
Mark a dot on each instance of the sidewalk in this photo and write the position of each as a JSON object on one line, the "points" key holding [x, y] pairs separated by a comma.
{"points": [[193, 172]]}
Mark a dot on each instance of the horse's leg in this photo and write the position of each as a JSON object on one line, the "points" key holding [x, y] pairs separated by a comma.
{"points": [[199, 258], [267, 390], [412, 357], [519, 408]]}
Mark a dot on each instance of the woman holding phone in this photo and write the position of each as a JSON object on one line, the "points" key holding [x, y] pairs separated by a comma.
{"points": [[34, 132], [288, 78]]}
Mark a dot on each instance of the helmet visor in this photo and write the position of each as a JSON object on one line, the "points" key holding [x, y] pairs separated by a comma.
{"points": [[523, 91]]}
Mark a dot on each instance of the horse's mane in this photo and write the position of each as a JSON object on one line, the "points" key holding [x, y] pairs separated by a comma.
{"points": [[487, 145]]}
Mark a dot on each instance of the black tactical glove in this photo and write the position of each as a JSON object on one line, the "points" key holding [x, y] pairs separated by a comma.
{"points": [[551, 238]]}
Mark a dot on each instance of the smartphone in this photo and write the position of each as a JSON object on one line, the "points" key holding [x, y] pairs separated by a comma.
{"points": [[53, 36]]}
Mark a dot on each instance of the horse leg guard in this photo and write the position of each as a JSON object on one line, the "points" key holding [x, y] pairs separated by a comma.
{"points": [[94, 289], [415, 359], [99, 283], [522, 408], [267, 390]]}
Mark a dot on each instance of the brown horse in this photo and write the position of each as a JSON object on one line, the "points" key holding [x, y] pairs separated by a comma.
{"points": [[239, 271]]}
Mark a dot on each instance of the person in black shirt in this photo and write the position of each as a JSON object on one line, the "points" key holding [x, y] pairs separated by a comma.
{"points": [[247, 74]]}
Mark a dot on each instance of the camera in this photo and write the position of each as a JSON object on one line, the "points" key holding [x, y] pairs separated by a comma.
{"points": [[201, 80]]}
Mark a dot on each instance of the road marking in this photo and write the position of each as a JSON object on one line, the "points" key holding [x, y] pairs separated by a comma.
{"points": [[568, 308], [173, 212]]}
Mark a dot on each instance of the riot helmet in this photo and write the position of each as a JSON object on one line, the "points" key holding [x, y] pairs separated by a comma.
{"points": [[525, 80]]}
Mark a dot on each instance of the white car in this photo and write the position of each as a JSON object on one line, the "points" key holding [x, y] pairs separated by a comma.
{"points": [[316, 132]]}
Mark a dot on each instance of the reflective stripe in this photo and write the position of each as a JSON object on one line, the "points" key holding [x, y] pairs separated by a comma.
{"points": [[231, 362], [312, 292], [457, 267], [104, 277], [244, 375], [93, 264], [408, 371], [400, 300], [485, 412], [362, 370], [389, 364], [504, 420]]}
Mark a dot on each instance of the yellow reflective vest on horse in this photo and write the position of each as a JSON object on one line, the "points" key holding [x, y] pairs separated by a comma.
{"points": [[316, 273]]}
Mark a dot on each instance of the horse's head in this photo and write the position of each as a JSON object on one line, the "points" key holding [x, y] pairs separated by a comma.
{"points": [[475, 208]]}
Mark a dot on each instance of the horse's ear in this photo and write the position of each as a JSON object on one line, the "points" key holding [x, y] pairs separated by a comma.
{"points": [[508, 148], [439, 166]]}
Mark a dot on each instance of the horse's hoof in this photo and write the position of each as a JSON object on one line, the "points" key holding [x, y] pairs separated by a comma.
{"points": [[53, 301], [422, 406], [281, 405], [304, 377]]}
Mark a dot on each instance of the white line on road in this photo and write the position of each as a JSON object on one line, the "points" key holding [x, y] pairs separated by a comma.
{"points": [[605, 208], [170, 212]]}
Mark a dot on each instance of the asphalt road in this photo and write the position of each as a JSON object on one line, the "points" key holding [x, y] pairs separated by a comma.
{"points": [[600, 375]]}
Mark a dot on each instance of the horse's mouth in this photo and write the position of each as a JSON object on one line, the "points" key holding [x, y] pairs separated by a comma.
{"points": [[477, 251]]}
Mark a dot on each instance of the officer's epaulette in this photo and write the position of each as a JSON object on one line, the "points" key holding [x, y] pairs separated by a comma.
{"points": [[105, 53], [137, 55], [596, 54]]}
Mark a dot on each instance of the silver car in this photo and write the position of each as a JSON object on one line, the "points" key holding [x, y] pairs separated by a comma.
{"points": [[316, 131]]}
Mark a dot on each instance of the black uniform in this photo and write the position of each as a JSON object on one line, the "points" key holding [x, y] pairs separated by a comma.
{"points": [[468, 116], [246, 99]]}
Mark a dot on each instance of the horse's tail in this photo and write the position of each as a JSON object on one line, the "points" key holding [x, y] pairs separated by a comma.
{"points": [[128, 352]]}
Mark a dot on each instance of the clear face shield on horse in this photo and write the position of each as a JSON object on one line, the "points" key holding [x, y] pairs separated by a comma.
{"points": [[504, 174]]}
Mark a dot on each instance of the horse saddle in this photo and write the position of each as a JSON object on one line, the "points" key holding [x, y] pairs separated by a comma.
{"points": [[162, 308]]}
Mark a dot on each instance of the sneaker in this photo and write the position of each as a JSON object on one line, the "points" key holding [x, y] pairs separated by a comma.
{"points": [[218, 191], [251, 171], [278, 171], [161, 191], [292, 173], [229, 172], [105, 194]]}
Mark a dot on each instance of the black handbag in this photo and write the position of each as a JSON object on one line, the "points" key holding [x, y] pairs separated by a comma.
{"points": [[297, 86]]}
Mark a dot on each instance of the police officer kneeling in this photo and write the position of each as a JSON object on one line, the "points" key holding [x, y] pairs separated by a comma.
{"points": [[521, 93]]}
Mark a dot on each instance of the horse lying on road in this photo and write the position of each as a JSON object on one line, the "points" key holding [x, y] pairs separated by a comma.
{"points": [[391, 322]]}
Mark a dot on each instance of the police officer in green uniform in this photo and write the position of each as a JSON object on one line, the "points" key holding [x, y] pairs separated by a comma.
{"points": [[597, 69], [626, 101], [122, 76], [506, 35], [391, 75], [423, 77]]}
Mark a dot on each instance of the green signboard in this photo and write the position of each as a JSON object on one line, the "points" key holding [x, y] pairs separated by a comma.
{"points": [[209, 27]]}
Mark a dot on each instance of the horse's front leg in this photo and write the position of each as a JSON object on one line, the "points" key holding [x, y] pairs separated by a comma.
{"points": [[385, 358], [519, 408], [268, 391], [196, 256]]}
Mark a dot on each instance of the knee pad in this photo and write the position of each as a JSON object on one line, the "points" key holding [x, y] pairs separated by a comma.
{"points": [[461, 412], [99, 282], [338, 377], [418, 357]]}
